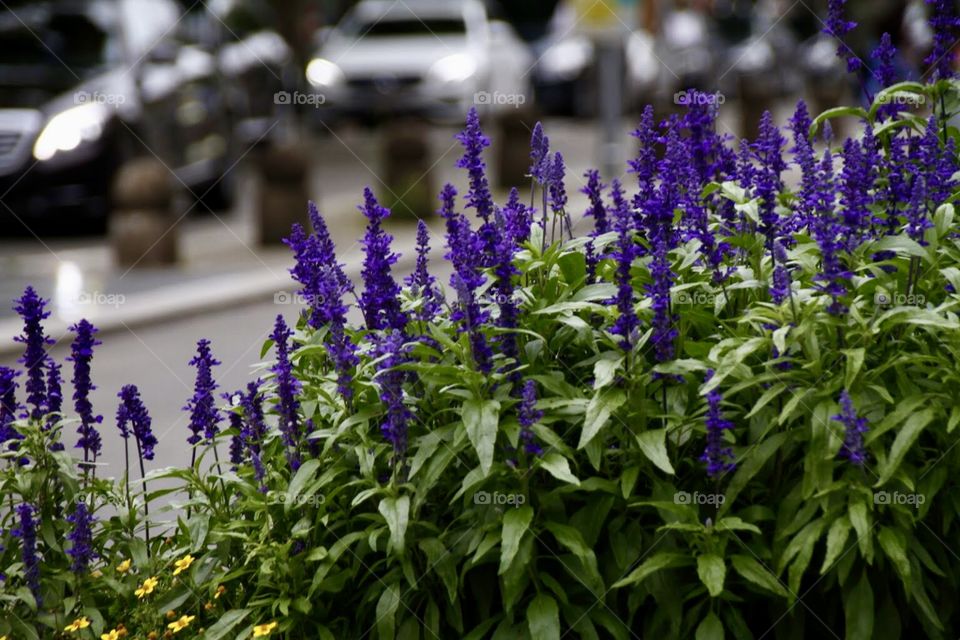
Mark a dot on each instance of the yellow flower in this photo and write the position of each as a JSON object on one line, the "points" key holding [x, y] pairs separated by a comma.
{"points": [[183, 564], [147, 587], [4, 638], [113, 635], [262, 630], [181, 624], [124, 566], [220, 591], [96, 573], [80, 623]]}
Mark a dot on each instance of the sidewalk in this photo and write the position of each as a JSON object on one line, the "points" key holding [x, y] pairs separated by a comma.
{"points": [[220, 267]]}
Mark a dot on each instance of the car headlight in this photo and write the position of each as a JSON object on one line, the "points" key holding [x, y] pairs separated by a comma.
{"points": [[567, 59], [323, 73], [454, 68], [69, 129]]}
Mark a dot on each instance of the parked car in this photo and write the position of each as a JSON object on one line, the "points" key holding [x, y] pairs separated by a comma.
{"points": [[86, 86], [421, 57], [564, 81]]}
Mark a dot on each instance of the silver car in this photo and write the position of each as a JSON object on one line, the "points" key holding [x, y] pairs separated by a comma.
{"points": [[434, 58]]}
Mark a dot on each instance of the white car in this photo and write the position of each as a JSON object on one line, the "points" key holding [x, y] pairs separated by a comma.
{"points": [[434, 58]]}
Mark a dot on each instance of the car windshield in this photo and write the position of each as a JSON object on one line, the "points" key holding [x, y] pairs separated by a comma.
{"points": [[39, 63], [390, 27]]}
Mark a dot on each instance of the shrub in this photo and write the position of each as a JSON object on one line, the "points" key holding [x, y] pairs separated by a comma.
{"points": [[727, 409]]}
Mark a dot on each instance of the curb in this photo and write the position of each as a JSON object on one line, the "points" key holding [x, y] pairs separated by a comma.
{"points": [[179, 301]]}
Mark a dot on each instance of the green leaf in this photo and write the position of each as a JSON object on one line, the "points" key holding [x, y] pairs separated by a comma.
{"points": [[543, 618], [735, 524], [836, 539], [442, 563], [559, 467], [858, 610], [601, 407], [710, 628], [225, 624], [753, 461], [605, 371], [396, 511], [860, 519], [387, 612], [481, 419], [854, 364], [894, 547], [304, 475], [653, 443], [836, 112], [751, 569], [712, 571], [628, 480], [515, 524], [657, 562], [903, 442]]}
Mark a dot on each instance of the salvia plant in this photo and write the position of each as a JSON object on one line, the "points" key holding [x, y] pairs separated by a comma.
{"points": [[727, 410]]}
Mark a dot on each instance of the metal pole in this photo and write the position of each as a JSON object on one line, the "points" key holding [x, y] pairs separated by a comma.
{"points": [[610, 87]]}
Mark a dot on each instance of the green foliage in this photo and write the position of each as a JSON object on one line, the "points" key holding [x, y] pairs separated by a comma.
{"points": [[615, 531]]}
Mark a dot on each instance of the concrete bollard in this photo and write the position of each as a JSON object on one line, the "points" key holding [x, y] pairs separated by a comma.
{"points": [[406, 168], [283, 192], [512, 142], [142, 227]]}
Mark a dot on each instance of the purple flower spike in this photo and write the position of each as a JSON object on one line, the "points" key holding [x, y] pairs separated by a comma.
{"points": [[380, 300], [422, 283], [597, 210], [528, 415], [854, 428], [474, 142], [627, 321], [27, 532], [8, 405], [288, 406], [82, 538], [81, 355], [204, 416], [32, 309], [517, 218], [132, 418], [718, 458], [397, 416], [885, 71], [944, 23], [539, 155], [837, 26]]}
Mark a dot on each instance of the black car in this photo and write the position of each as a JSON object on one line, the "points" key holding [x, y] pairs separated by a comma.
{"points": [[85, 86]]}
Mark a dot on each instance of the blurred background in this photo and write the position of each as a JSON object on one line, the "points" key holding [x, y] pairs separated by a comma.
{"points": [[154, 153]]}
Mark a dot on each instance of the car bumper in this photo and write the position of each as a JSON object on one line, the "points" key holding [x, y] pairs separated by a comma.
{"points": [[347, 102], [36, 192]]}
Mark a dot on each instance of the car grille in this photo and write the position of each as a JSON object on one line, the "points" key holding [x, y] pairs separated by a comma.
{"points": [[384, 84], [8, 142]]}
